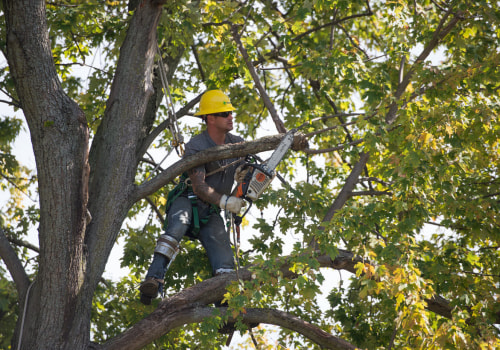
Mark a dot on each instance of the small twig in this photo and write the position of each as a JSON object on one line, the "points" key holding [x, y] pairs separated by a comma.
{"points": [[441, 31], [21, 243], [480, 274], [370, 193], [401, 69], [333, 23], [10, 103], [327, 150], [375, 179], [280, 68], [17, 187], [198, 63], [331, 117], [309, 135], [155, 209], [393, 337], [80, 64], [352, 41]]}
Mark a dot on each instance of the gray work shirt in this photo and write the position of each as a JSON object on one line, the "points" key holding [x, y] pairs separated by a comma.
{"points": [[221, 181]]}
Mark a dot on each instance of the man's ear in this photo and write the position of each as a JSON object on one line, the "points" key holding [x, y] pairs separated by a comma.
{"points": [[209, 118]]}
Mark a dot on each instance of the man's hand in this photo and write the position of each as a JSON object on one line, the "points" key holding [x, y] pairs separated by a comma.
{"points": [[241, 172], [231, 203]]}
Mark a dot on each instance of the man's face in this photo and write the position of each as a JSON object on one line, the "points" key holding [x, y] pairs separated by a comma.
{"points": [[223, 123]]}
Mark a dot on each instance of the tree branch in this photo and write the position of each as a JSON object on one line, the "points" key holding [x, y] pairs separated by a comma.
{"points": [[284, 320], [439, 34], [335, 22], [215, 153], [182, 308], [166, 123], [14, 265], [370, 193], [263, 94], [22, 243], [349, 185], [332, 149], [155, 209]]}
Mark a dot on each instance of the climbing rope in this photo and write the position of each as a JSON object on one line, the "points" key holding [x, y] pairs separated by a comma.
{"points": [[177, 139], [236, 240], [24, 314]]}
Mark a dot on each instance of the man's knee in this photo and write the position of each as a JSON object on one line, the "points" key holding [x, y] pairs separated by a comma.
{"points": [[180, 216]]}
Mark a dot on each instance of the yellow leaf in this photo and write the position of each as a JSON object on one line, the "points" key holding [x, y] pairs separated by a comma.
{"points": [[399, 299], [360, 268], [424, 137]]}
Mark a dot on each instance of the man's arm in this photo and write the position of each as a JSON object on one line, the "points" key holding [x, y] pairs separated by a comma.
{"points": [[210, 195], [202, 189]]}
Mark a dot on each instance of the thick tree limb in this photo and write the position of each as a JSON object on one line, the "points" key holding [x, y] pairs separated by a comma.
{"points": [[14, 265], [60, 140], [185, 306], [282, 319], [345, 260], [116, 147], [215, 153]]}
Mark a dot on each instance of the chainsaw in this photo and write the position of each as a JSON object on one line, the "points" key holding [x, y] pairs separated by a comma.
{"points": [[260, 176]]}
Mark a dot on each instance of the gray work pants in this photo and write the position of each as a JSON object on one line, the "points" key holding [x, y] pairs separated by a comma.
{"points": [[213, 236]]}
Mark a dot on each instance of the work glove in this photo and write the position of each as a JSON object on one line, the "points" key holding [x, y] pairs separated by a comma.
{"points": [[241, 172], [231, 203]]}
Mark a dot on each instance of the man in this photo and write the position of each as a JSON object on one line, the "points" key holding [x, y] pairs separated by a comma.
{"points": [[196, 206]]}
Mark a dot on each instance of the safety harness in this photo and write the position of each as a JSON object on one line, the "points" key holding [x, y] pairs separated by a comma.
{"points": [[184, 188]]}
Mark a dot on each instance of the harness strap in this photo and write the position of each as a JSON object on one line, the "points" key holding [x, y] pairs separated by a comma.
{"points": [[196, 215], [180, 189]]}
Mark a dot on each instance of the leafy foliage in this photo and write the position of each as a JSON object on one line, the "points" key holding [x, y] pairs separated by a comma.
{"points": [[423, 215]]}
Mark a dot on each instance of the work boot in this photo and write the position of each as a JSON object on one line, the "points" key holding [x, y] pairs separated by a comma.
{"points": [[149, 289]]}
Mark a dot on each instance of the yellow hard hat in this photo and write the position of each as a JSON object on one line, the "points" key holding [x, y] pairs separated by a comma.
{"points": [[214, 101]]}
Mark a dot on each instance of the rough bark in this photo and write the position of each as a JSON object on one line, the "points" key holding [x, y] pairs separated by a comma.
{"points": [[72, 255], [114, 153], [59, 135]]}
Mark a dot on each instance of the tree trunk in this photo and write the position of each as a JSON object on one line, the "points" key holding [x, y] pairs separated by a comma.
{"points": [[57, 316], [72, 256]]}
